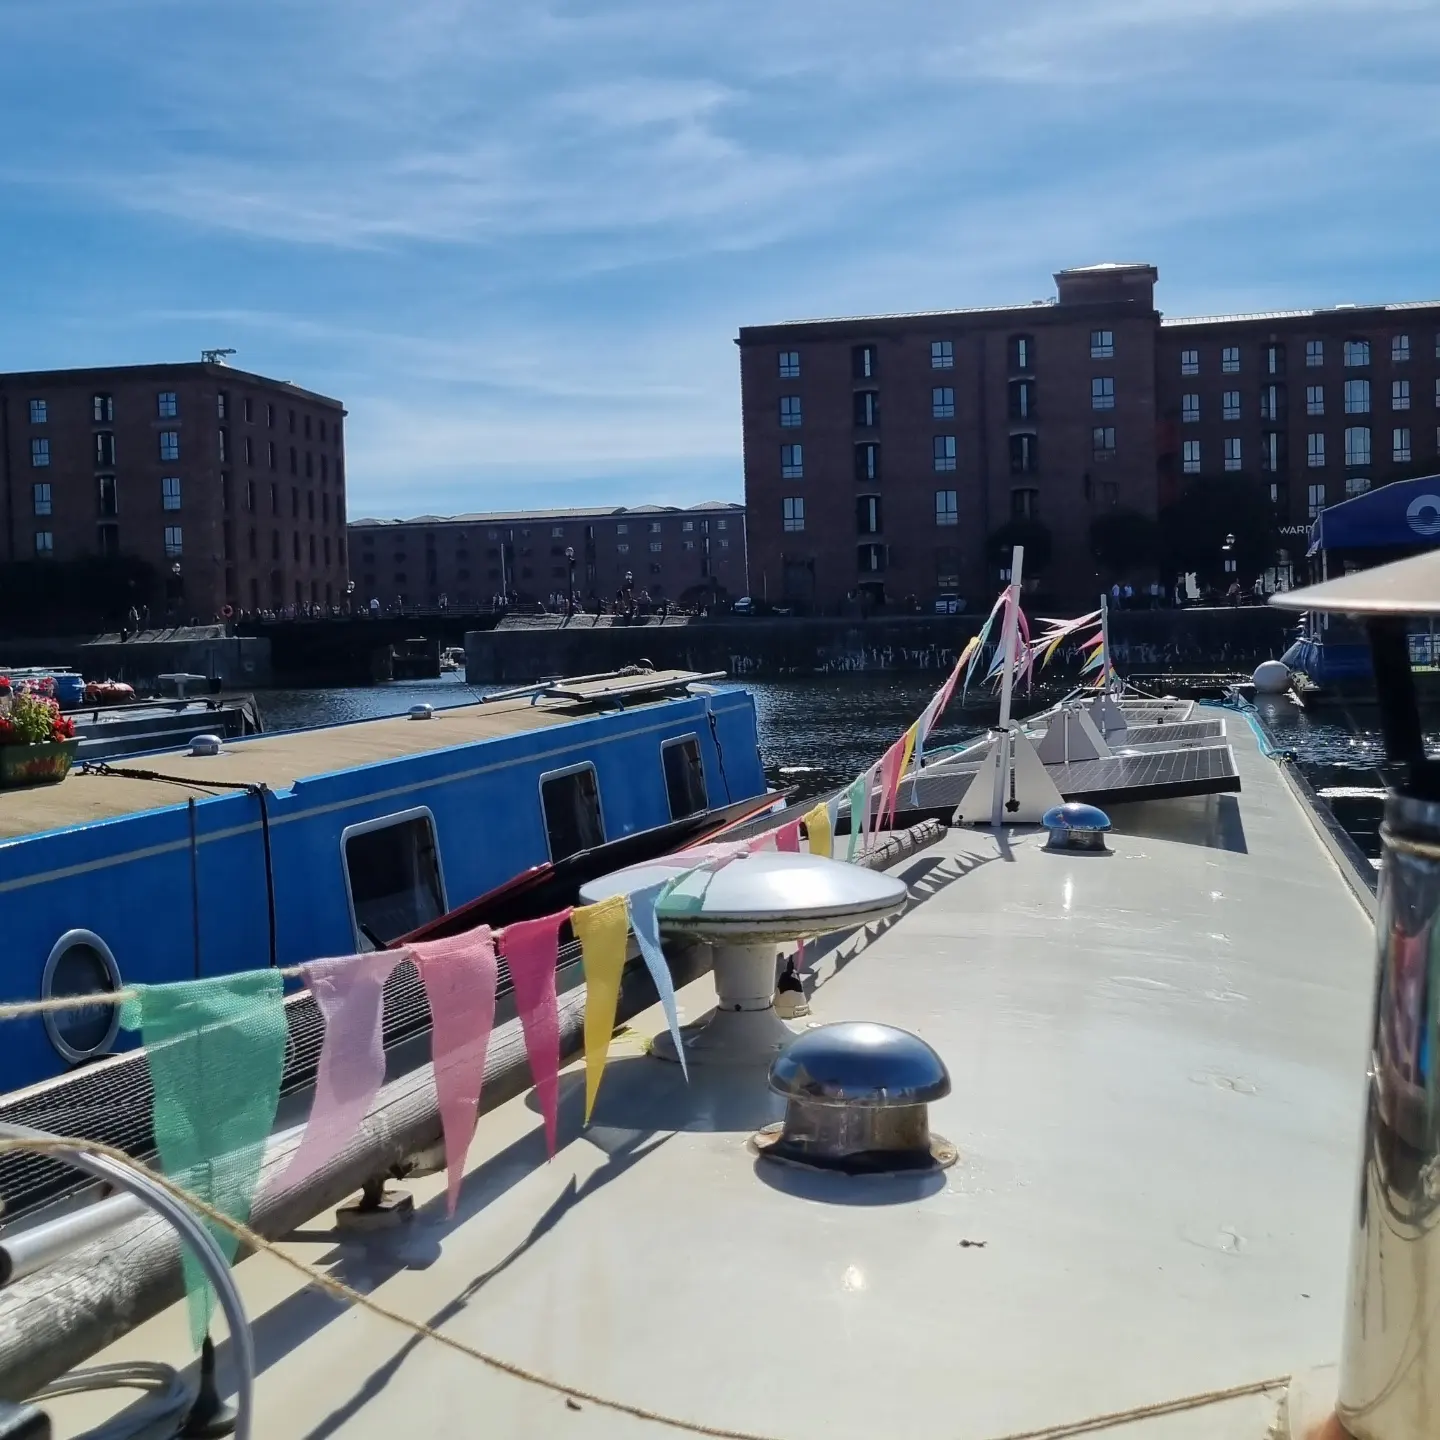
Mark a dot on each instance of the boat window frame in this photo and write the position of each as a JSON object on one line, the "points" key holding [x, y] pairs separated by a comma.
{"points": [[674, 740], [560, 774], [67, 942], [363, 943]]}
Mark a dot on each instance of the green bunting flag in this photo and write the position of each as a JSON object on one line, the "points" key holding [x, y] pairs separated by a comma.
{"points": [[216, 1049]]}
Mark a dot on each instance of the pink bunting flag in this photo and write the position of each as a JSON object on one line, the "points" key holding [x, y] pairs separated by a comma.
{"points": [[532, 950], [890, 764], [349, 992], [787, 838], [764, 841], [459, 974]]}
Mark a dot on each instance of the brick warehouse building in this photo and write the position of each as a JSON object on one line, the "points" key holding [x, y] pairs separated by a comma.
{"points": [[882, 451], [687, 556], [237, 479]]}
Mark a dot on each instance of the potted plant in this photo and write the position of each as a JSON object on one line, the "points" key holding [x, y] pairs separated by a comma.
{"points": [[37, 742]]}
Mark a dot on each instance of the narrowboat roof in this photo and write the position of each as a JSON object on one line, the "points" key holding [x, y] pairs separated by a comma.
{"points": [[279, 760], [1157, 1060]]}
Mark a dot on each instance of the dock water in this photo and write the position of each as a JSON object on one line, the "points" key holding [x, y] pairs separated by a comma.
{"points": [[1158, 1057]]}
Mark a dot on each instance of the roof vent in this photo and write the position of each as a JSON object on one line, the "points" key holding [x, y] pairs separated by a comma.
{"points": [[422, 712], [204, 744], [1074, 826], [855, 1101]]}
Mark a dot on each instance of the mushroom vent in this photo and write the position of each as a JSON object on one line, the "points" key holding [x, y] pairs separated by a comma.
{"points": [[856, 1097]]}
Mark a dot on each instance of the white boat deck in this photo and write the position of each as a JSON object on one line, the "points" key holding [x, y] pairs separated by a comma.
{"points": [[1158, 1059]]}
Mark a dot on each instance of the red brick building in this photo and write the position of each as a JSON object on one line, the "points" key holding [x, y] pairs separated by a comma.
{"points": [[882, 452], [687, 556], [230, 484]]}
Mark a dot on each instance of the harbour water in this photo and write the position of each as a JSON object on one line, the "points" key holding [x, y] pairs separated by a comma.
{"points": [[819, 732]]}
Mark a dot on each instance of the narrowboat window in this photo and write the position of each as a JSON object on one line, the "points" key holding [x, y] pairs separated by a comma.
{"points": [[684, 776], [571, 801], [392, 871], [81, 964]]}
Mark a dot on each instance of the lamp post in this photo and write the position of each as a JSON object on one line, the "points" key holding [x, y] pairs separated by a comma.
{"points": [[349, 591], [570, 561]]}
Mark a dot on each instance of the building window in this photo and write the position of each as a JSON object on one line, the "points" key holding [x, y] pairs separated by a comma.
{"points": [[1232, 452], [867, 515], [1357, 397], [1315, 450], [170, 493], [1356, 485], [1024, 454], [655, 546], [1314, 352], [40, 452], [41, 497], [108, 496], [789, 411], [1102, 344], [867, 409], [1316, 499], [292, 422], [249, 451], [654, 527], [309, 465], [1314, 399], [1189, 362], [1190, 456], [270, 453], [1357, 352], [167, 406], [1272, 452], [1022, 352], [104, 448], [1399, 394], [44, 542], [39, 412], [1274, 359], [722, 524], [1272, 402], [792, 511], [295, 544], [942, 355], [623, 527], [1102, 392], [1022, 399], [1102, 442], [109, 536], [1230, 405], [1399, 349], [172, 540], [870, 559], [1400, 443], [224, 445], [169, 445], [1357, 445], [247, 410], [1190, 409], [102, 409], [863, 361], [1230, 359], [789, 364], [942, 403], [792, 465], [1024, 504], [221, 401], [294, 461], [867, 461], [622, 549], [947, 507], [944, 452]]}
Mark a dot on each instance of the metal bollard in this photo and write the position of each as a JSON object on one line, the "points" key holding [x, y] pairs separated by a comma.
{"points": [[1390, 1362]]}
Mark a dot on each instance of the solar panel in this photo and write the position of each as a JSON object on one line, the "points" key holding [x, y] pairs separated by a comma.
{"points": [[1186, 733]]}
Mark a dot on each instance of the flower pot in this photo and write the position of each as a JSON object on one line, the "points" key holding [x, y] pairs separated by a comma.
{"points": [[36, 764]]}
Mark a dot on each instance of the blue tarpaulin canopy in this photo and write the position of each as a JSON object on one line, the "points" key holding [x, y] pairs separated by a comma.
{"points": [[1406, 512]]}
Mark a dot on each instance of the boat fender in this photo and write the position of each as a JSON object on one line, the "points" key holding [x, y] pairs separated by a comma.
{"points": [[1271, 677]]}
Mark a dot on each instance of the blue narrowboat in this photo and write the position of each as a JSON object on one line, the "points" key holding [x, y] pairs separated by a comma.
{"points": [[276, 849]]}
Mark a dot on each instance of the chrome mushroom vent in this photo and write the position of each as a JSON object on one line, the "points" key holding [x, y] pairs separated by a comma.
{"points": [[855, 1101]]}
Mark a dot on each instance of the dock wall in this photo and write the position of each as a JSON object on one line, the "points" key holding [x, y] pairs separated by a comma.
{"points": [[1212, 639]]}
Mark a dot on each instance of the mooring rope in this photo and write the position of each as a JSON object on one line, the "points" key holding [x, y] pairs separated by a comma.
{"points": [[340, 1291]]}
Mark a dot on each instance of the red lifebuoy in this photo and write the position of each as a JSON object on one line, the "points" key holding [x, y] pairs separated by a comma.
{"points": [[226, 611]]}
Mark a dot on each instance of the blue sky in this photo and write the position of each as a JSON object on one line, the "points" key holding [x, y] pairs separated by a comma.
{"points": [[517, 239]]}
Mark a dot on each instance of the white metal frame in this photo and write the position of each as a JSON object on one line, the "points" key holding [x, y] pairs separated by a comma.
{"points": [[384, 822], [560, 774]]}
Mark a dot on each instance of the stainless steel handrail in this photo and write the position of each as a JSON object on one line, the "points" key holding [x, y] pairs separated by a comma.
{"points": [[201, 1242]]}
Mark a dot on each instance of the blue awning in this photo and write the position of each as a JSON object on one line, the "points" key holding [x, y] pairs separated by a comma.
{"points": [[1406, 512]]}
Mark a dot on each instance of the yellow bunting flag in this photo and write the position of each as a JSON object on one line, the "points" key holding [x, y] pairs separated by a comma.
{"points": [[602, 931], [817, 827]]}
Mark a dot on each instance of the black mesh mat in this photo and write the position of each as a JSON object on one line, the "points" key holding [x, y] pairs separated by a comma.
{"points": [[111, 1100]]}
